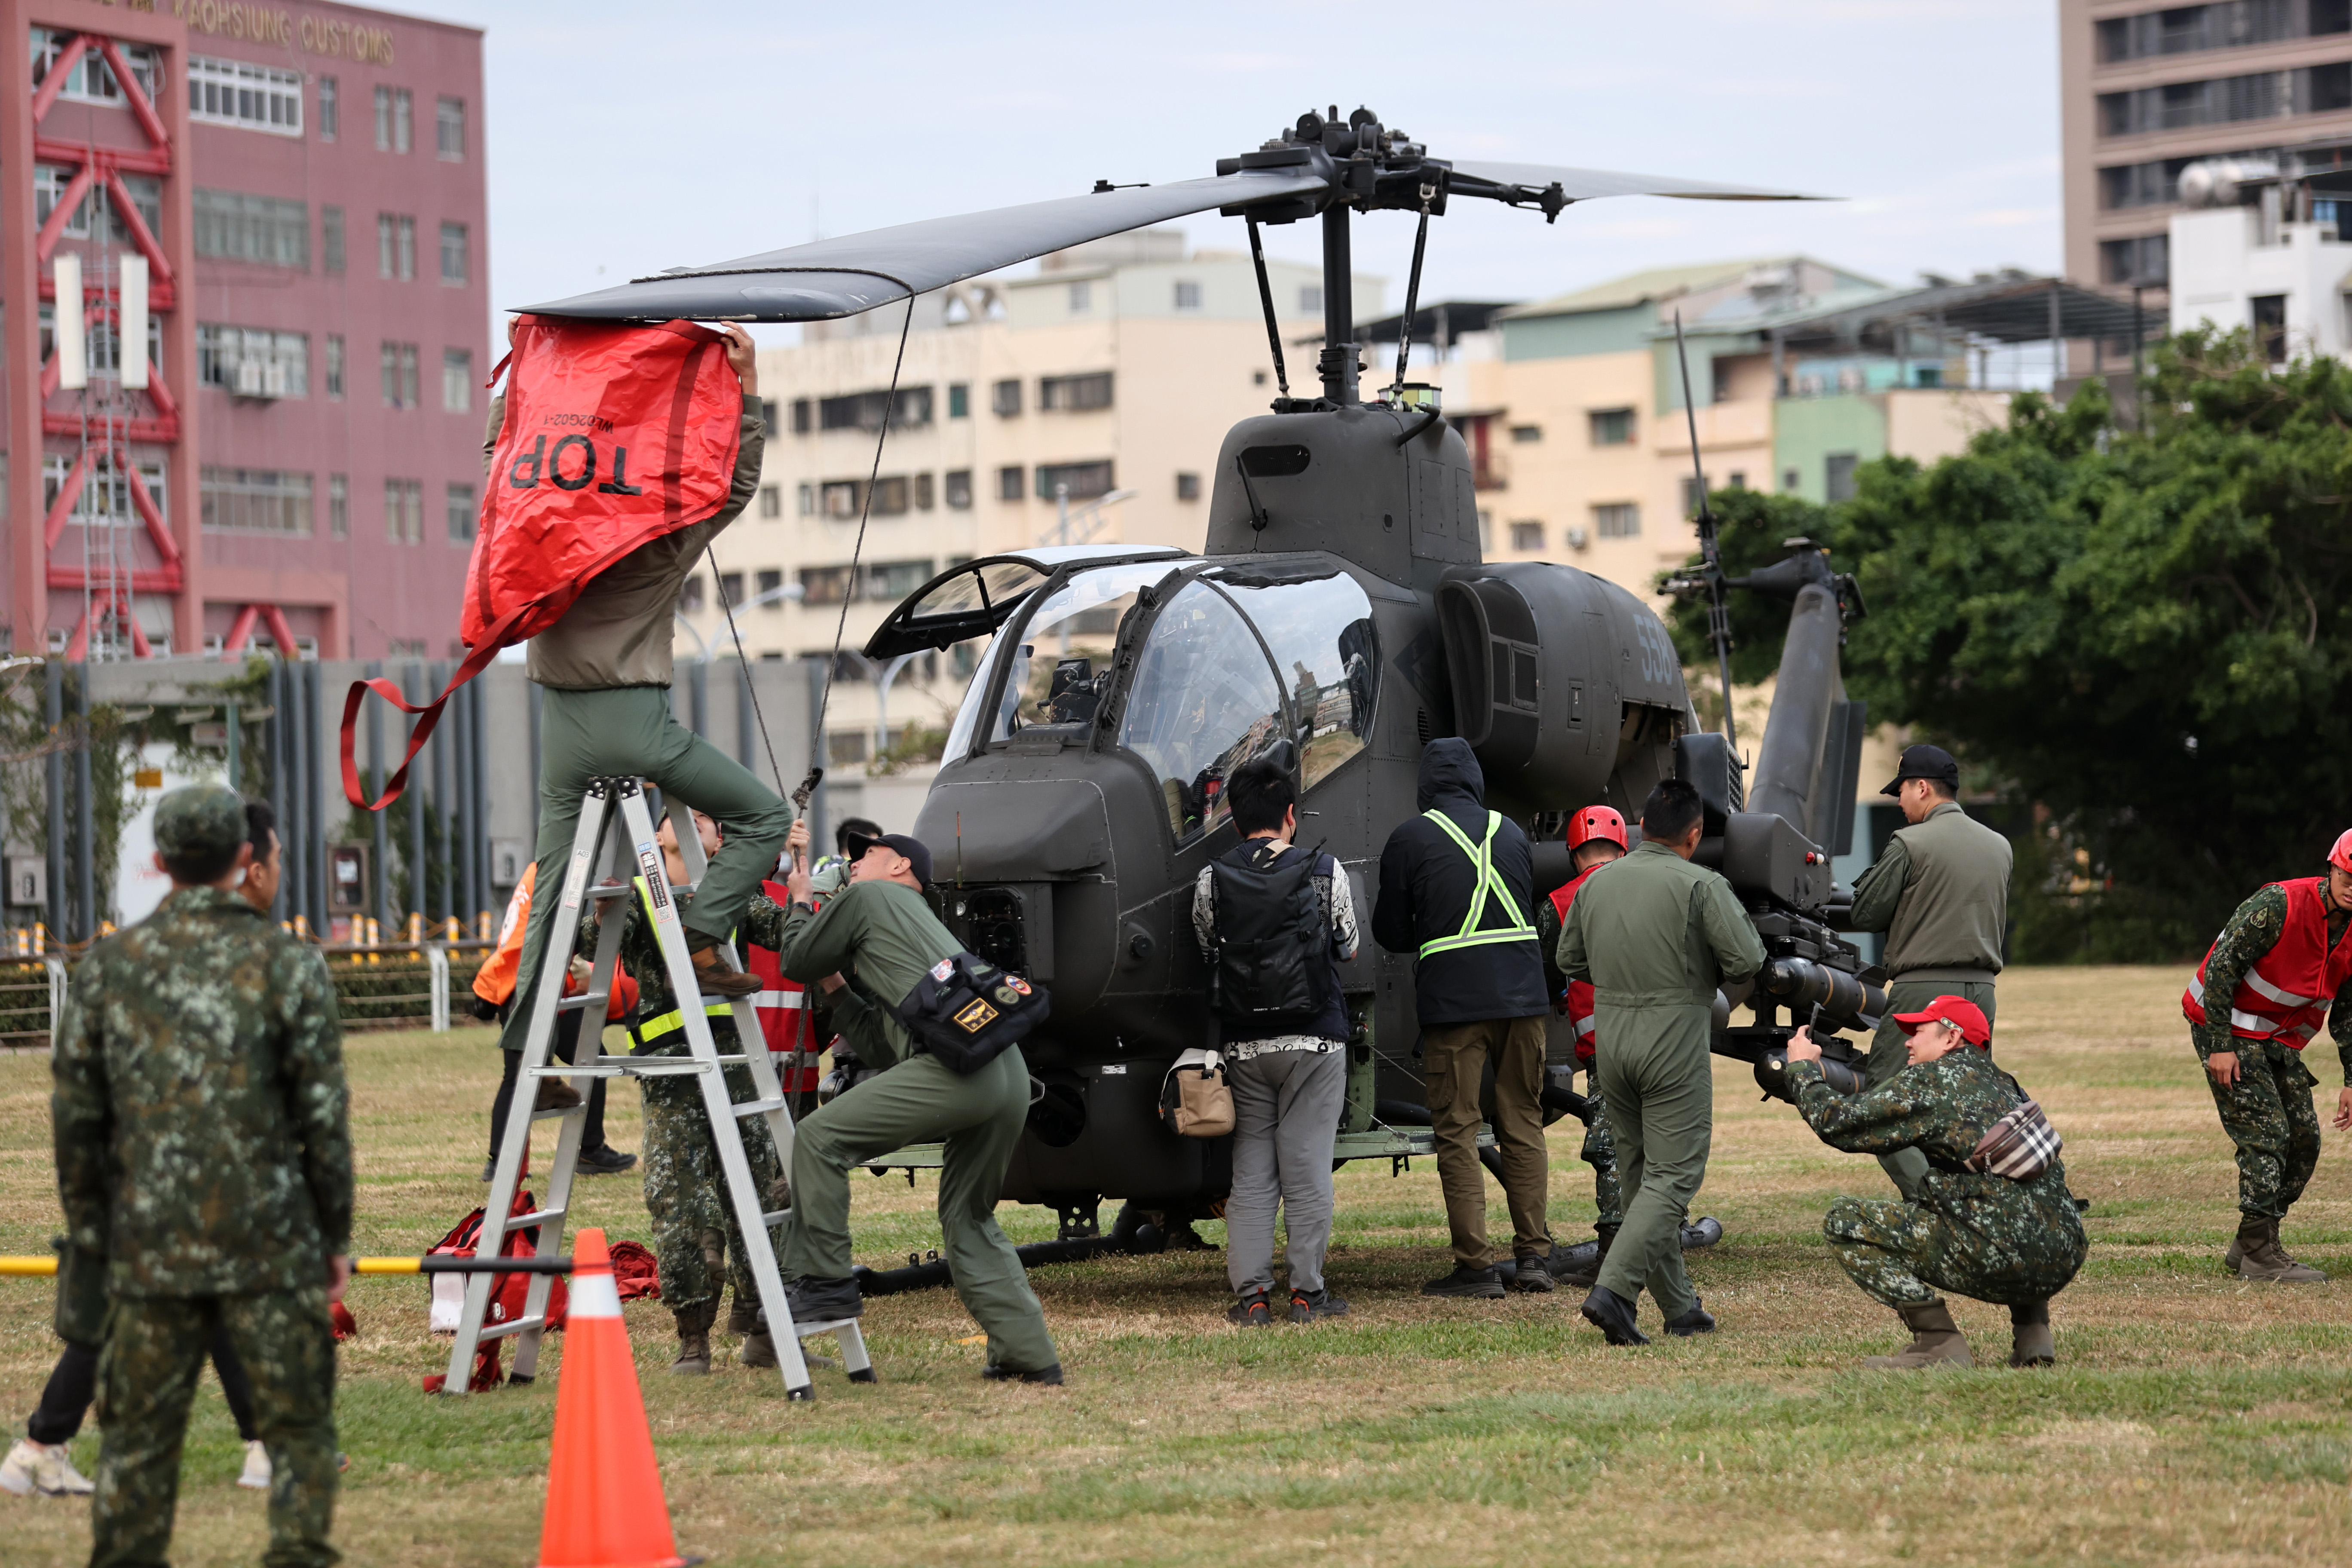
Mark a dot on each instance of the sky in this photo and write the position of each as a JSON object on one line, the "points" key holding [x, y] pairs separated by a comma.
{"points": [[623, 138]]}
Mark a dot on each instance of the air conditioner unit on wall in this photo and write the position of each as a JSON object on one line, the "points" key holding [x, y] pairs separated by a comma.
{"points": [[248, 381]]}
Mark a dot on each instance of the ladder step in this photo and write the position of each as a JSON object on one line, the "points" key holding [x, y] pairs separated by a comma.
{"points": [[586, 998], [575, 1110], [806, 1331], [525, 1221], [757, 1107], [776, 1218], [609, 890], [519, 1326]]}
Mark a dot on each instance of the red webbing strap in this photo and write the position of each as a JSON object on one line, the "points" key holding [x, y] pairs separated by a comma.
{"points": [[475, 662]]}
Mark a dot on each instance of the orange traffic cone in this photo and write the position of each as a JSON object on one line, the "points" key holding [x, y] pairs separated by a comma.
{"points": [[604, 1503]]}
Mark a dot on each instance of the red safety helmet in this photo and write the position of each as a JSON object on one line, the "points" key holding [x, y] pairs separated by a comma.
{"points": [[1601, 822], [2340, 857]]}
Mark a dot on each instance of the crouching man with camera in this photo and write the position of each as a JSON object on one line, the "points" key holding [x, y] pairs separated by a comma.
{"points": [[1992, 1219], [945, 1026]]}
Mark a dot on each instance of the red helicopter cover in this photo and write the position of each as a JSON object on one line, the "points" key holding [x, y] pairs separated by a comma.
{"points": [[614, 435]]}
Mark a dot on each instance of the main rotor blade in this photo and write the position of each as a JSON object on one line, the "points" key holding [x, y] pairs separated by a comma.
{"points": [[857, 273], [1584, 185]]}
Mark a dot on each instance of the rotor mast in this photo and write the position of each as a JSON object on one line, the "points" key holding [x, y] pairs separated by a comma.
{"points": [[1338, 365]]}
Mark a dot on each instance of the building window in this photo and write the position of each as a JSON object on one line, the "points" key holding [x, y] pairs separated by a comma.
{"points": [[1010, 484], [1619, 520], [1187, 487], [891, 581], [731, 589], [253, 361], [1526, 435], [1074, 393], [397, 364], [804, 415], [865, 411], [51, 180], [772, 501], [846, 748], [1837, 475], [339, 505], [394, 115], [839, 498], [770, 591], [824, 584], [103, 355], [1082, 297], [330, 109], [251, 96], [254, 500], [959, 489], [454, 266], [1527, 536], [958, 400], [1612, 426], [233, 227], [404, 510], [2145, 260], [449, 129], [923, 494], [890, 496], [457, 381], [1005, 399], [395, 247], [2269, 318], [1188, 296], [460, 505], [334, 367], [105, 493], [689, 596], [2191, 29], [1084, 480], [1310, 299], [1790, 479], [768, 418], [92, 79], [808, 500], [330, 239]]}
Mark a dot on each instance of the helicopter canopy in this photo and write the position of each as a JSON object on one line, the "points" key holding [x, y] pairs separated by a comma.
{"points": [[973, 598]]}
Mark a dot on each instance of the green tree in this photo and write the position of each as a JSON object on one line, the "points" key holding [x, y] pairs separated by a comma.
{"points": [[2146, 636]]}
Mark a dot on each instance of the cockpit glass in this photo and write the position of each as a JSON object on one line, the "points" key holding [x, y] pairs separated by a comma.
{"points": [[967, 591], [1204, 702], [1058, 671], [1327, 654]]}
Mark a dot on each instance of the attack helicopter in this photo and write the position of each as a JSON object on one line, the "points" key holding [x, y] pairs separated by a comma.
{"points": [[1341, 617]]}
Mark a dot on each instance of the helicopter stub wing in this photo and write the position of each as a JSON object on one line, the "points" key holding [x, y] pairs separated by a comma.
{"points": [[1586, 185], [835, 277]]}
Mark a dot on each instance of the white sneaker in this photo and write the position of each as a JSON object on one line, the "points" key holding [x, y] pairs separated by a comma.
{"points": [[256, 1466], [46, 1468]]}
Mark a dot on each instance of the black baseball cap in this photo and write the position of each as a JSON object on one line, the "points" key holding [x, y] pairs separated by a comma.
{"points": [[1925, 762], [914, 849]]}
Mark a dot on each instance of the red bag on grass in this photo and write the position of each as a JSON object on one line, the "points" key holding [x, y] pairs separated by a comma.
{"points": [[614, 435], [507, 1291]]}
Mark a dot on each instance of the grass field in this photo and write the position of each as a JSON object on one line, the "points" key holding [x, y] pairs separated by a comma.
{"points": [[2191, 1418]]}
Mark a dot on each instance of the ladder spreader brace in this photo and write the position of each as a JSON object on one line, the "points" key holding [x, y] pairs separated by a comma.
{"points": [[640, 856]]}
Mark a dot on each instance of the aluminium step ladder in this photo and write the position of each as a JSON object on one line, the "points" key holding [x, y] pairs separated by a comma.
{"points": [[635, 854]]}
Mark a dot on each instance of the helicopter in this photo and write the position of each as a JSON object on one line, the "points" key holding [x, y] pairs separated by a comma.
{"points": [[1340, 617]]}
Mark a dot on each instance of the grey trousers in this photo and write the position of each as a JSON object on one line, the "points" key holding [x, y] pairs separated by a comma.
{"points": [[1285, 1114]]}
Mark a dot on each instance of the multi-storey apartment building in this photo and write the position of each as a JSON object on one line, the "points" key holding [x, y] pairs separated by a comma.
{"points": [[304, 187]]}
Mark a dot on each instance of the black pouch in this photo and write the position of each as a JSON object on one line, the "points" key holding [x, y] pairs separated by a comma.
{"points": [[965, 1011]]}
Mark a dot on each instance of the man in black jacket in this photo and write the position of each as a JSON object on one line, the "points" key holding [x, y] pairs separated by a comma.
{"points": [[1457, 885]]}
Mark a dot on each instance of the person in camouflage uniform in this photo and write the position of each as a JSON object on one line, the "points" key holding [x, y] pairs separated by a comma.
{"points": [[203, 1152], [2253, 1061], [696, 1238], [2015, 1243]]}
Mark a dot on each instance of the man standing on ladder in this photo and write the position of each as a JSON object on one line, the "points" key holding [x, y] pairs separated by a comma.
{"points": [[697, 1239], [605, 668], [871, 947]]}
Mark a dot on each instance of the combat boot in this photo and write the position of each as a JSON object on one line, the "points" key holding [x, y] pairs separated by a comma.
{"points": [[2030, 1343], [694, 1340], [1935, 1340], [2263, 1258], [2250, 1232]]}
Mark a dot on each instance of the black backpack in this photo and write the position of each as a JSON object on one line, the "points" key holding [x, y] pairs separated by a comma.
{"points": [[1269, 935]]}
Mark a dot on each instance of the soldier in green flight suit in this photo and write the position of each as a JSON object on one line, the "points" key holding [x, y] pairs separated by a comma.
{"points": [[2016, 1242], [698, 1240], [1940, 892], [870, 947], [203, 1161], [1656, 936]]}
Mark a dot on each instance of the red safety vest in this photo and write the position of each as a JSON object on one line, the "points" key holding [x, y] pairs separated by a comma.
{"points": [[2285, 994], [614, 435], [782, 1006], [1579, 992]]}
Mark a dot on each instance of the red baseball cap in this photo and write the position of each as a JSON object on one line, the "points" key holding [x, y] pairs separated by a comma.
{"points": [[1956, 1010]]}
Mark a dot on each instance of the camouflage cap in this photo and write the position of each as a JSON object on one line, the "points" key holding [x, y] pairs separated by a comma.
{"points": [[198, 820]]}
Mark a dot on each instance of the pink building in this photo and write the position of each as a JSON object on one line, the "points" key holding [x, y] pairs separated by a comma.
{"points": [[305, 186]]}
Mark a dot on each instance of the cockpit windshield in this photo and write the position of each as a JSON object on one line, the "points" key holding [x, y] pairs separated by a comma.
{"points": [[1327, 653], [1204, 701], [1061, 667]]}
